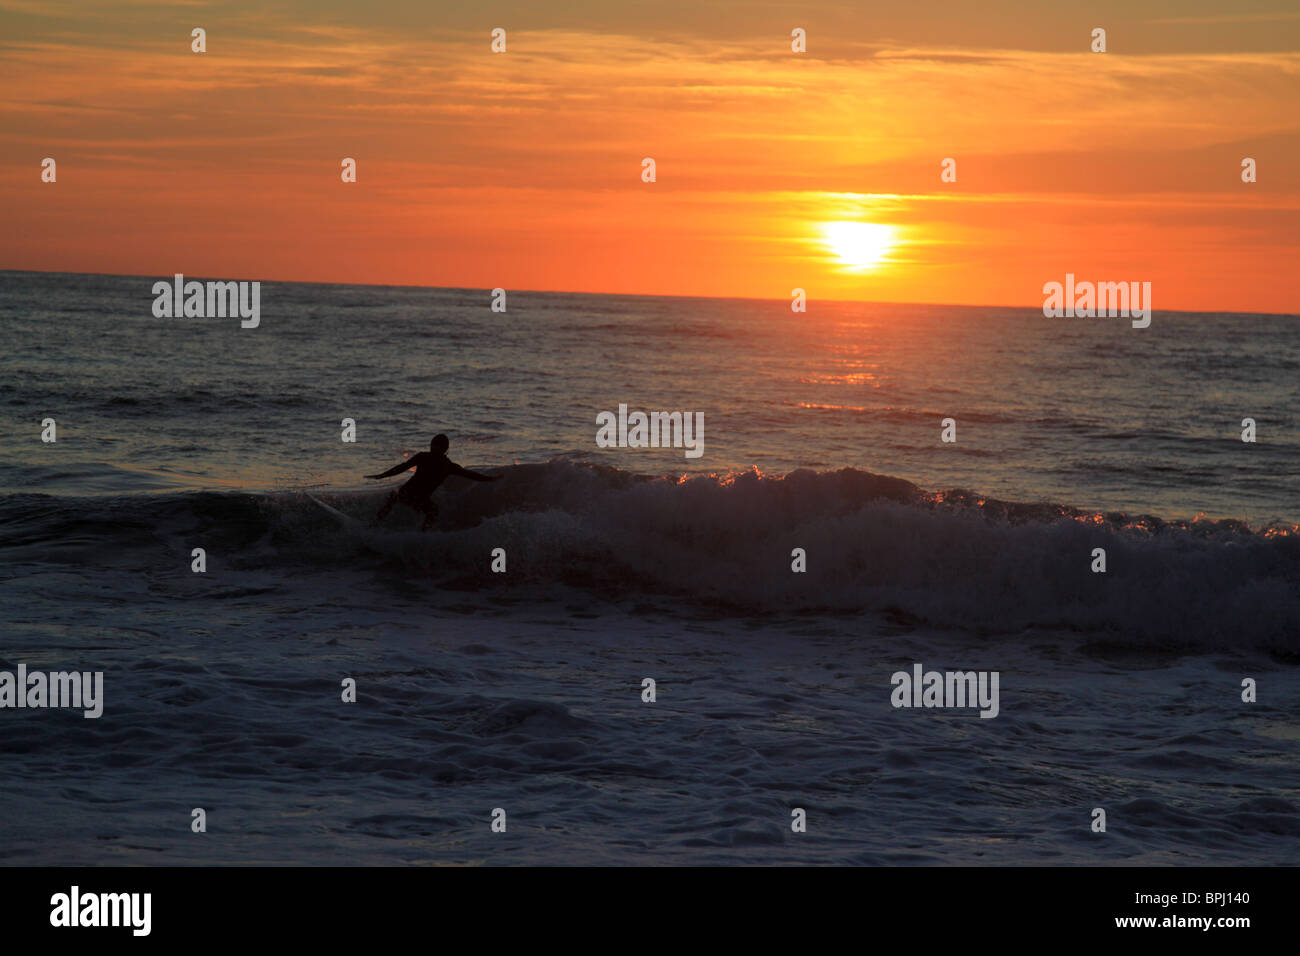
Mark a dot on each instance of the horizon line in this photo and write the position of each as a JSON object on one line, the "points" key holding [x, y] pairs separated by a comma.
{"points": [[638, 295]]}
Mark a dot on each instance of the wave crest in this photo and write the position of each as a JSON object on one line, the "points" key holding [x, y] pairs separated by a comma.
{"points": [[873, 544]]}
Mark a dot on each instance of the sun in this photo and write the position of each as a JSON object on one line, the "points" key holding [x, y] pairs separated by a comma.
{"points": [[860, 245]]}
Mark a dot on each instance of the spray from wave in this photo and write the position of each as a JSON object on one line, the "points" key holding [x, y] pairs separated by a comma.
{"points": [[872, 543]]}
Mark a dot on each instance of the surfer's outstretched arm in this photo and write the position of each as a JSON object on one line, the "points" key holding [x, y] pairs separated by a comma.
{"points": [[472, 475], [396, 469]]}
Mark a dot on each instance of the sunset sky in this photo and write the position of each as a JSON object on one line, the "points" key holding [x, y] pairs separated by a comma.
{"points": [[523, 170]]}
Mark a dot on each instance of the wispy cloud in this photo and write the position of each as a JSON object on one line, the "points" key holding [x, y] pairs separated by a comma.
{"points": [[753, 143]]}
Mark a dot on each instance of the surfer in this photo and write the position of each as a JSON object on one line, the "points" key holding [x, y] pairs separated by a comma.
{"points": [[432, 468]]}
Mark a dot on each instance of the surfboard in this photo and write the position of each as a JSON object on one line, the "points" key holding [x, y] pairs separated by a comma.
{"points": [[373, 539], [347, 520]]}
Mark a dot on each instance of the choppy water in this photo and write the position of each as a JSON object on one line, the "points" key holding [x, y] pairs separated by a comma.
{"points": [[1084, 412], [479, 690]]}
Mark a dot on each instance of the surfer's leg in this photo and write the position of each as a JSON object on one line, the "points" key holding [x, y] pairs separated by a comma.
{"points": [[430, 514], [387, 507]]}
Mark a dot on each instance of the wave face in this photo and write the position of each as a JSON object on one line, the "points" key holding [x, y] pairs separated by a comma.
{"points": [[873, 544]]}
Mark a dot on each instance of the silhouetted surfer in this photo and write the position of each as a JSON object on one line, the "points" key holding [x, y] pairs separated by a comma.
{"points": [[432, 468]]}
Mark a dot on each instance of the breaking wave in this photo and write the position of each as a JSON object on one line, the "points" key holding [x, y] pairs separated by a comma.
{"points": [[873, 544]]}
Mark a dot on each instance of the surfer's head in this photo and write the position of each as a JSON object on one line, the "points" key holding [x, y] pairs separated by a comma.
{"points": [[439, 444]]}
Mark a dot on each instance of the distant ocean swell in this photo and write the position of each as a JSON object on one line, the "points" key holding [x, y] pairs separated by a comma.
{"points": [[873, 544]]}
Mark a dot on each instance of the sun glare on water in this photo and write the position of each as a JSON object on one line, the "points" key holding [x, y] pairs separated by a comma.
{"points": [[860, 245]]}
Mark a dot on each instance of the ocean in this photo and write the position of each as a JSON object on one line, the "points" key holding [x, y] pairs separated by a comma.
{"points": [[524, 690]]}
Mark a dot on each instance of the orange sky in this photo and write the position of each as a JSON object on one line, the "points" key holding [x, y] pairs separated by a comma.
{"points": [[523, 169]]}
